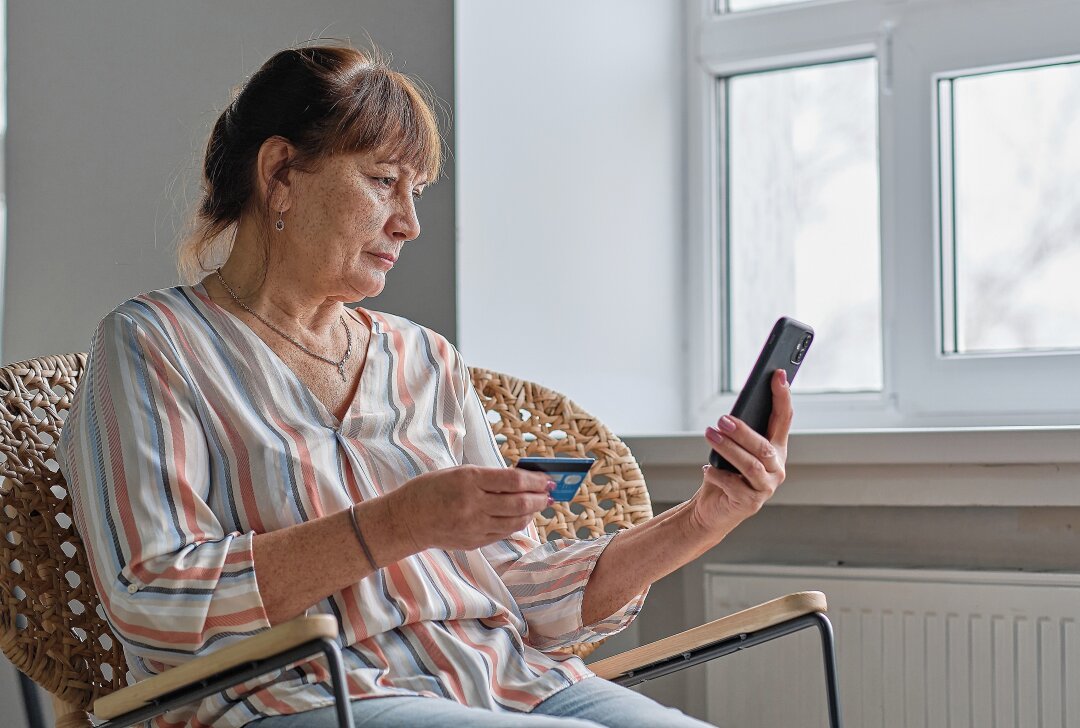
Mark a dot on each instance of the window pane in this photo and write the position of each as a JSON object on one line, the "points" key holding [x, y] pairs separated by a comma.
{"points": [[734, 6], [803, 219], [1015, 211]]}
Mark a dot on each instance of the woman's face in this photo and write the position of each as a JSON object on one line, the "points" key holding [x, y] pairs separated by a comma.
{"points": [[347, 221]]}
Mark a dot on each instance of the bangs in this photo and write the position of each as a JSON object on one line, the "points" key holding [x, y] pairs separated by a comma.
{"points": [[385, 112]]}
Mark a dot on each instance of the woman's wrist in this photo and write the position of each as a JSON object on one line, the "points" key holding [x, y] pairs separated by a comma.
{"points": [[403, 519], [707, 531], [384, 527], [361, 539]]}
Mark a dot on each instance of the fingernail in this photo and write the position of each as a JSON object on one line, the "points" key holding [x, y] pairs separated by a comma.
{"points": [[728, 424], [714, 434], [550, 500], [783, 376], [550, 485]]}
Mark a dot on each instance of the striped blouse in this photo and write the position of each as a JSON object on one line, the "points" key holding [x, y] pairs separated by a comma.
{"points": [[188, 435]]}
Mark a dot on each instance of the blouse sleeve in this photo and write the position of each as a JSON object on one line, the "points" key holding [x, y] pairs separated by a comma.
{"points": [[547, 580], [173, 583]]}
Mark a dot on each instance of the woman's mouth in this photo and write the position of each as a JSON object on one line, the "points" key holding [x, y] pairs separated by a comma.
{"points": [[384, 258]]}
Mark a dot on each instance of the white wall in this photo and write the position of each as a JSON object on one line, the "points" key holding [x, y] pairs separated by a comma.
{"points": [[109, 107], [570, 134]]}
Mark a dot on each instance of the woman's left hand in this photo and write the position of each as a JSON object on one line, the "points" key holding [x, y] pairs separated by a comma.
{"points": [[726, 499]]}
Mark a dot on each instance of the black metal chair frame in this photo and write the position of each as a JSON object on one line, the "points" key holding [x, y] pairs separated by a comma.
{"points": [[217, 683], [330, 649], [237, 675], [746, 641]]}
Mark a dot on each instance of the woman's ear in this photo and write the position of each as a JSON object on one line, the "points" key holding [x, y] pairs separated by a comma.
{"points": [[273, 167]]}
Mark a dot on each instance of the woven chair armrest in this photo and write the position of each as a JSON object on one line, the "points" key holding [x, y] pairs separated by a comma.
{"points": [[748, 620], [270, 643]]}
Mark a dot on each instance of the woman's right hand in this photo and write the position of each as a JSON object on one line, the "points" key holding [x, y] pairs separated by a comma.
{"points": [[467, 506]]}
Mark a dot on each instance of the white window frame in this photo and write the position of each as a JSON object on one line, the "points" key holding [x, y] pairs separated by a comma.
{"points": [[916, 42]]}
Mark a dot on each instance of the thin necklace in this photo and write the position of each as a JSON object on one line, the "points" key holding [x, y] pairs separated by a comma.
{"points": [[348, 334]]}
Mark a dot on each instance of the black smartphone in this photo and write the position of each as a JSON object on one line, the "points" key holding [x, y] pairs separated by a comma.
{"points": [[784, 349]]}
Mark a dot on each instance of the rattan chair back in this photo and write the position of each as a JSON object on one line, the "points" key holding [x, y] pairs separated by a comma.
{"points": [[52, 625], [531, 420]]}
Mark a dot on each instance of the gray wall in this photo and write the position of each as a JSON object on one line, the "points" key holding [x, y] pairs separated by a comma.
{"points": [[109, 107]]}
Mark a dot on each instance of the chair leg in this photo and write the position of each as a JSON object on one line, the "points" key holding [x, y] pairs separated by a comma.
{"points": [[35, 718], [745, 641], [828, 654], [337, 683], [67, 715]]}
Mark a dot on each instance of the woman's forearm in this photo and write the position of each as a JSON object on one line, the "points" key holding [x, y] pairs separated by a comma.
{"points": [[299, 566], [638, 556]]}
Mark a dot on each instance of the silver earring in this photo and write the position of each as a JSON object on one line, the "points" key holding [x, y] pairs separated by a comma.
{"points": [[280, 224]]}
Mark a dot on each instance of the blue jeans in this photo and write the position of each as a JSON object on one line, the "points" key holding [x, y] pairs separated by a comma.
{"points": [[591, 703]]}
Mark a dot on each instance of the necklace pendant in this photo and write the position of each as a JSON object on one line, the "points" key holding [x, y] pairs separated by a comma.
{"points": [[341, 370]]}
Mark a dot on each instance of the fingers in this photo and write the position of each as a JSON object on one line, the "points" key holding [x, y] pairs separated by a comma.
{"points": [[514, 505], [513, 480], [761, 461], [741, 496], [502, 527], [511, 492], [782, 411], [484, 504], [496, 528], [734, 437], [752, 468], [749, 448]]}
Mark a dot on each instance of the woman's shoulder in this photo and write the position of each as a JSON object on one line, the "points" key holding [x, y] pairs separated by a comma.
{"points": [[150, 308], [406, 329], [415, 342]]}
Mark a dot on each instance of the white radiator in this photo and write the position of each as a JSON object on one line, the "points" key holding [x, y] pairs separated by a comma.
{"points": [[915, 648]]}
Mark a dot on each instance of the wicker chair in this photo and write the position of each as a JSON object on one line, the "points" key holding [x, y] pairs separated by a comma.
{"points": [[53, 628]]}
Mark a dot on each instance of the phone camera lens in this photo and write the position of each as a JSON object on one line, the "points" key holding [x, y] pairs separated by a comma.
{"points": [[800, 349]]}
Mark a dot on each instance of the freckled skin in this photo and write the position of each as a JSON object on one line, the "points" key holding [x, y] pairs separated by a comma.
{"points": [[340, 214], [335, 217]]}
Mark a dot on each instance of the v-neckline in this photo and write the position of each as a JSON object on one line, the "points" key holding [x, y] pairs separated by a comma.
{"points": [[373, 328]]}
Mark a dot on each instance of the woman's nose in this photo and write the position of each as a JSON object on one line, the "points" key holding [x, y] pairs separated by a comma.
{"points": [[406, 225]]}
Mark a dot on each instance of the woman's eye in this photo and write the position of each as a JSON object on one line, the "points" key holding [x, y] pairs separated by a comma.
{"points": [[386, 181], [417, 194]]}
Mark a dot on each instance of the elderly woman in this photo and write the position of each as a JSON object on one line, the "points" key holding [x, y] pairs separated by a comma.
{"points": [[249, 448]]}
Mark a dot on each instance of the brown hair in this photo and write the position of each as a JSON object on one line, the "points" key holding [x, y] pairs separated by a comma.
{"points": [[325, 100]]}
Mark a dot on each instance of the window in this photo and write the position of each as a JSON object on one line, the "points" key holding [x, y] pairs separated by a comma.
{"points": [[1010, 166], [901, 176], [802, 195], [736, 6]]}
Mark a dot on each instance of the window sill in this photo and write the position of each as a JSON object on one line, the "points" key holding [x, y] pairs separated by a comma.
{"points": [[994, 466]]}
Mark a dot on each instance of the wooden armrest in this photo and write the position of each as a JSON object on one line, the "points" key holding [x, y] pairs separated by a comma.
{"points": [[748, 620], [266, 644]]}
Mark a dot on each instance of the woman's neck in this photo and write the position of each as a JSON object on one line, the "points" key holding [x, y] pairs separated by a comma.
{"points": [[282, 300]]}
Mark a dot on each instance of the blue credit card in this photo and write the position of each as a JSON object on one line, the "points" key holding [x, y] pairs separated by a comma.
{"points": [[568, 473]]}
